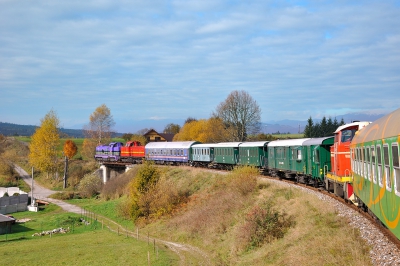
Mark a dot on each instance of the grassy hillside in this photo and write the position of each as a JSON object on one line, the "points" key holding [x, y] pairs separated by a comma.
{"points": [[238, 219]]}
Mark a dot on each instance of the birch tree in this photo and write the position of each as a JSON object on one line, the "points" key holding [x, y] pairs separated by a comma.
{"points": [[100, 125], [44, 142], [240, 114]]}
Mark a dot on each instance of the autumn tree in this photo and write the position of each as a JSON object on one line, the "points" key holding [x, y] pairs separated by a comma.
{"points": [[127, 136], [140, 138], [100, 125], [89, 148], [203, 130], [172, 128], [142, 131], [70, 149], [240, 114], [189, 119], [44, 142]]}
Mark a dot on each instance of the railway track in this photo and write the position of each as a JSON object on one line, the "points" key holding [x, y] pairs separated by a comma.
{"points": [[385, 247]]}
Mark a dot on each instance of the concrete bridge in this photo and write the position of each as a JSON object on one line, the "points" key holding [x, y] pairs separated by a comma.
{"points": [[108, 171]]}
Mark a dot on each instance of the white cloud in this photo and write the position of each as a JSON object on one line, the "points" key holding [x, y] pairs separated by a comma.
{"points": [[177, 59]]}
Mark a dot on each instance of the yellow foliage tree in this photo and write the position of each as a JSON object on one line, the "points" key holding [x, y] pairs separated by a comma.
{"points": [[89, 148], [204, 130], [70, 149], [44, 142]]}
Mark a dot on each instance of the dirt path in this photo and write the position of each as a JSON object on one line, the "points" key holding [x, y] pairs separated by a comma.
{"points": [[186, 253]]}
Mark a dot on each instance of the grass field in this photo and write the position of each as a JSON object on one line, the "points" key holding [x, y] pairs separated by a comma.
{"points": [[83, 245]]}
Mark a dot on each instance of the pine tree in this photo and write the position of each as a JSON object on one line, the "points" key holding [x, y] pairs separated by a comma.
{"points": [[309, 128], [329, 127], [323, 128]]}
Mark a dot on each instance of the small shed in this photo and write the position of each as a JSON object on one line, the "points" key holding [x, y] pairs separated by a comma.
{"points": [[5, 224]]}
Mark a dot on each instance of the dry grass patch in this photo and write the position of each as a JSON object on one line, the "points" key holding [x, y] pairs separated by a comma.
{"points": [[228, 215], [320, 237]]}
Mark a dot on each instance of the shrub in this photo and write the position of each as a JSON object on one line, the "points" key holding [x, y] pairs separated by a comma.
{"points": [[90, 185], [244, 179], [65, 195], [7, 174], [146, 178], [263, 225]]}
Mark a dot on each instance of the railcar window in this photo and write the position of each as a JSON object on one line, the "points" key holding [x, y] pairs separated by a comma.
{"points": [[316, 156], [347, 135], [387, 167], [396, 167], [379, 162], [356, 160], [359, 162], [362, 162], [373, 163], [299, 154], [367, 163]]}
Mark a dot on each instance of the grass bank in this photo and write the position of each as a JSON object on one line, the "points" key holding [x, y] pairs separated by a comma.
{"points": [[239, 218], [83, 245]]}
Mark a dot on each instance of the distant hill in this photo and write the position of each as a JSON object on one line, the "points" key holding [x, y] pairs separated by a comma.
{"points": [[9, 129]]}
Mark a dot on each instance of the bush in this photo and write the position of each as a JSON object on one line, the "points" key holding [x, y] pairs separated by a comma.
{"points": [[262, 225], [244, 179], [146, 178], [65, 195], [90, 185], [7, 174]]}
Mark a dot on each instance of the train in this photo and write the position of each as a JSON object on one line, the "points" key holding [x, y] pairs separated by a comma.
{"points": [[359, 162]]}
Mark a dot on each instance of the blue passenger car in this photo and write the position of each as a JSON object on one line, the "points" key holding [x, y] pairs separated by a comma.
{"points": [[202, 154], [177, 152]]}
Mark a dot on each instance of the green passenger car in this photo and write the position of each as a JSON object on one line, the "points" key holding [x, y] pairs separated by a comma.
{"points": [[226, 155], [285, 158], [376, 169], [318, 156], [253, 154]]}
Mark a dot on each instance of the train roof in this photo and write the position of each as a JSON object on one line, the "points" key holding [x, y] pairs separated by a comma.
{"points": [[385, 127], [319, 141], [359, 124], [227, 144], [254, 144], [287, 142], [204, 145], [171, 145]]}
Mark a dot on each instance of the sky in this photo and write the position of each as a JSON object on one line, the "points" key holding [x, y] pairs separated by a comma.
{"points": [[170, 60]]}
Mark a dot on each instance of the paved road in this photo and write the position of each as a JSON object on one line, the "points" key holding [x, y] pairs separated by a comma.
{"points": [[43, 193]]}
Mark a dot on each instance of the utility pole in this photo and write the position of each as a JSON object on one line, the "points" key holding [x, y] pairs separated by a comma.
{"points": [[65, 172], [32, 184]]}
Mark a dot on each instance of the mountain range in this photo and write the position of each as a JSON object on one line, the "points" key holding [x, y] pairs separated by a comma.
{"points": [[269, 127]]}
